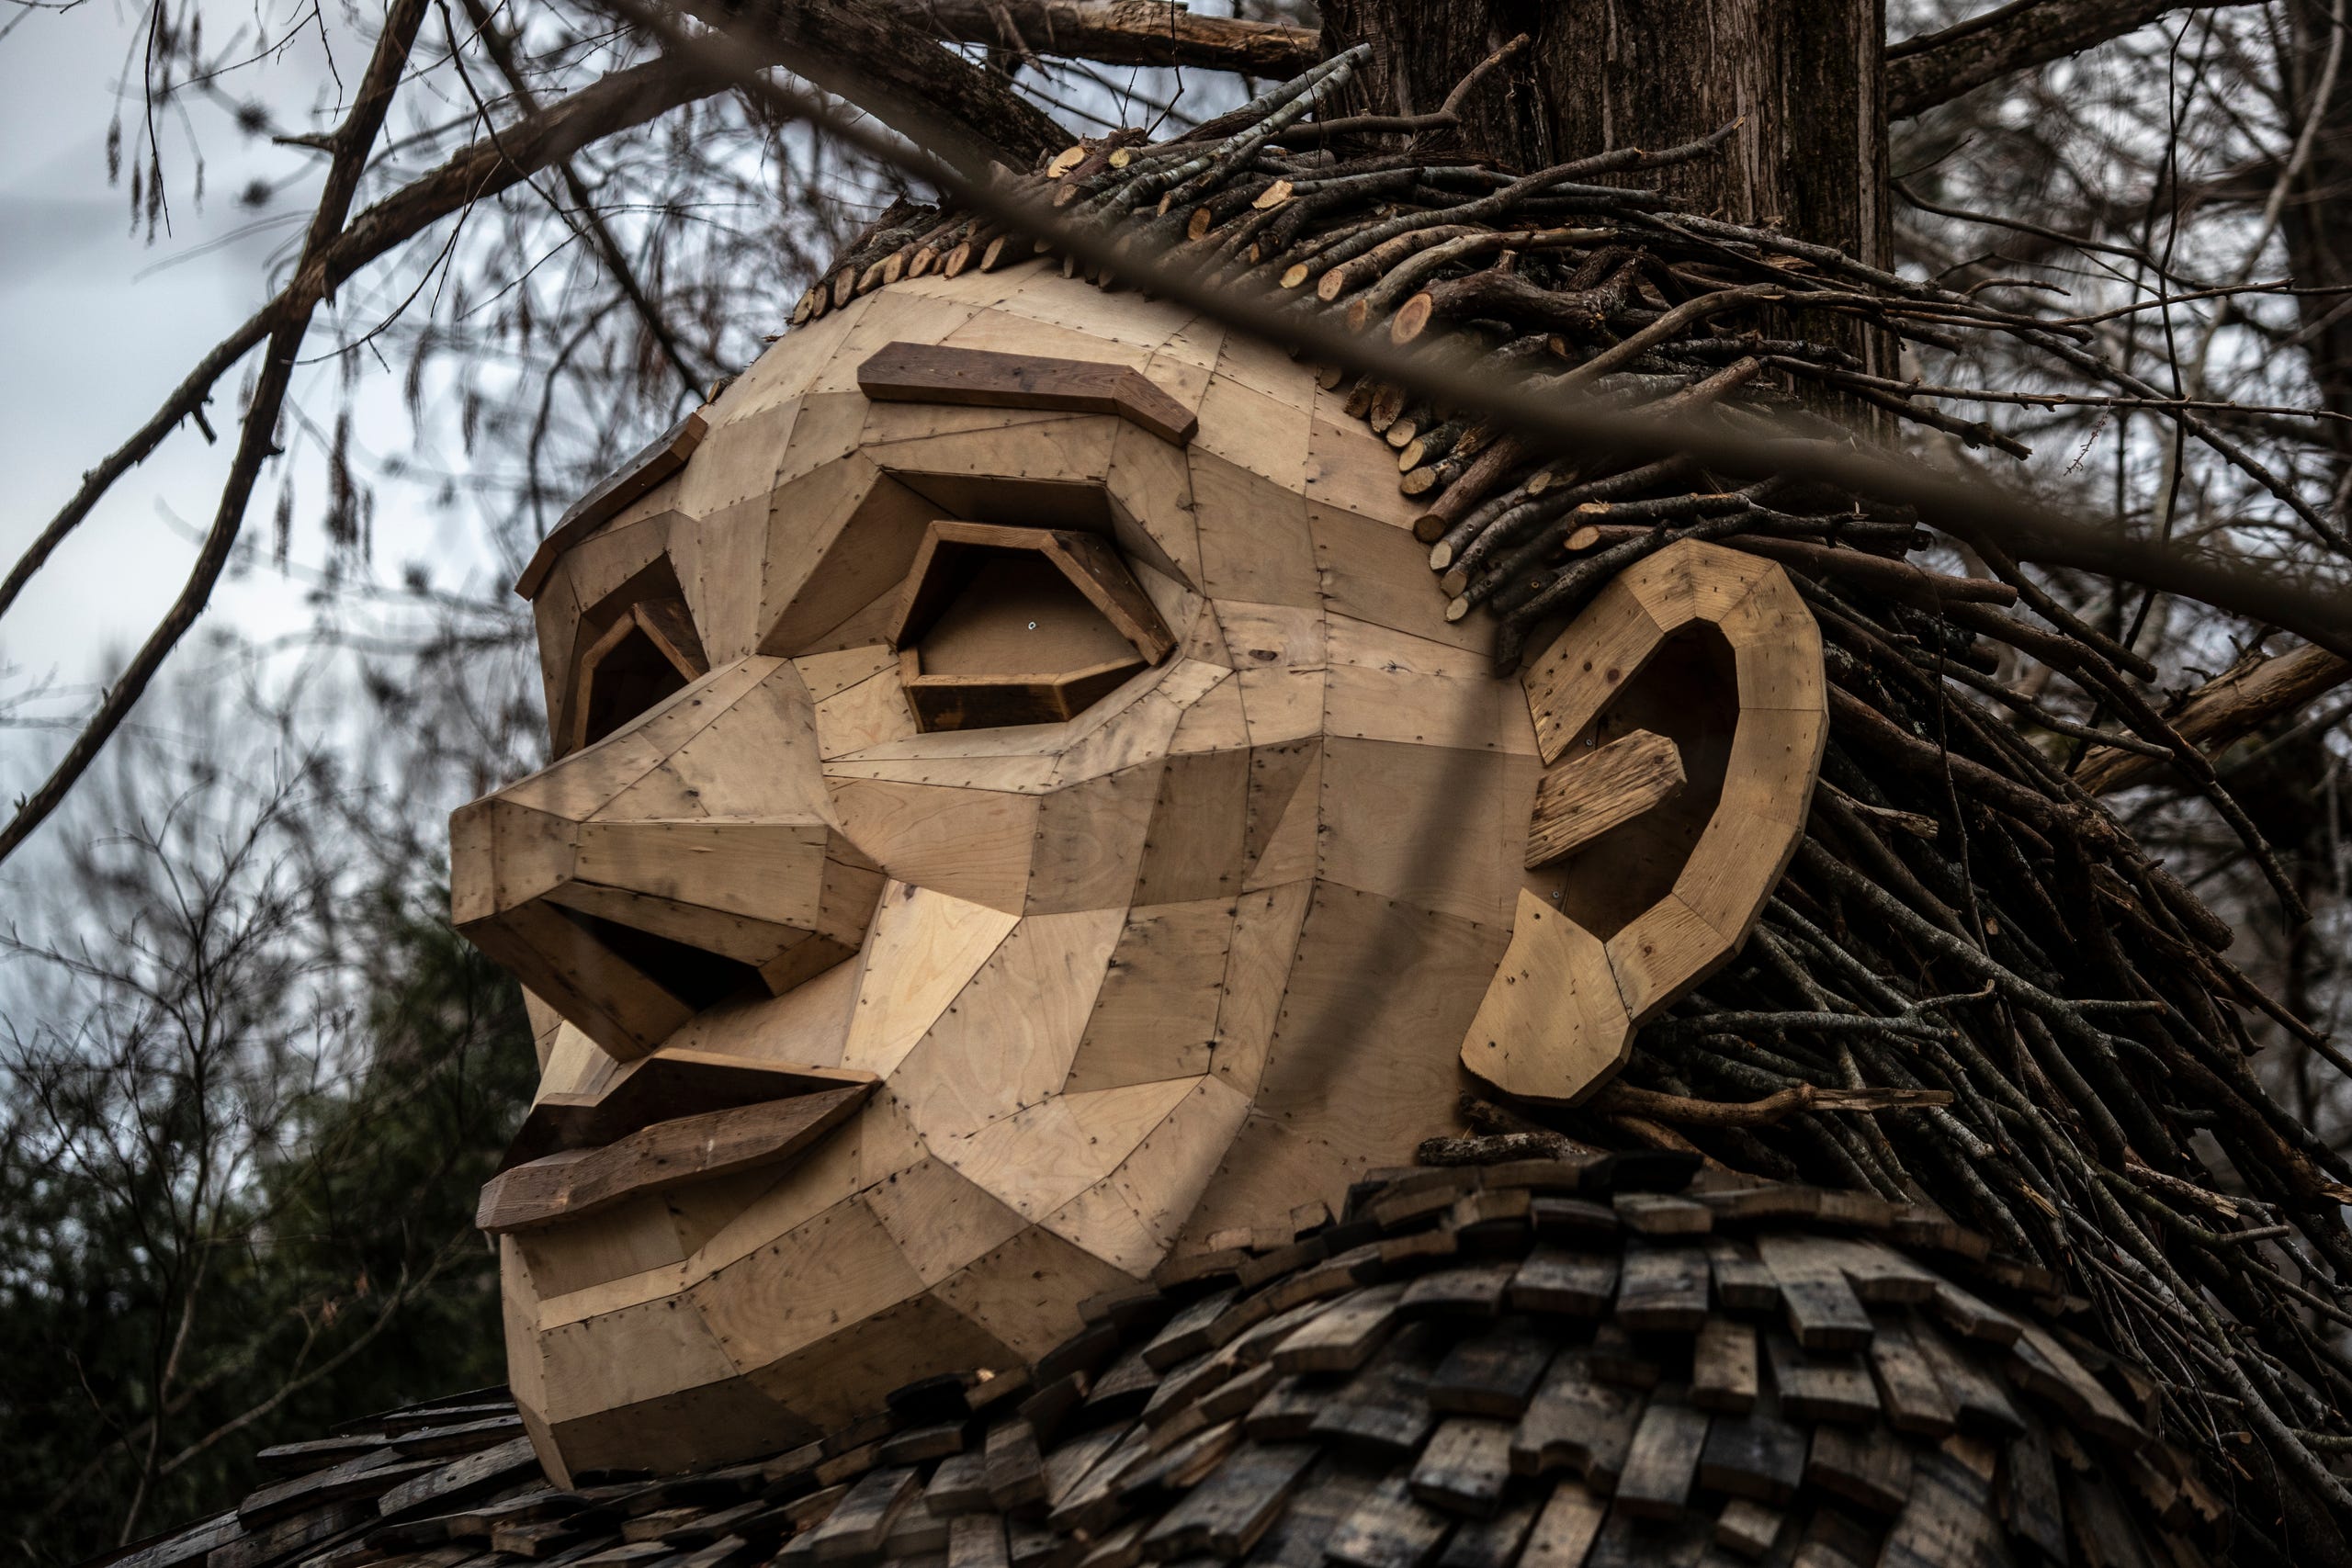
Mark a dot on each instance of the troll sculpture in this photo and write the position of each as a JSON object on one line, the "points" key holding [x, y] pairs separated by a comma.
{"points": [[1057, 800]]}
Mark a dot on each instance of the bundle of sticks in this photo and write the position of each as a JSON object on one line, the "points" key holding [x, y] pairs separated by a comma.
{"points": [[1963, 916]]}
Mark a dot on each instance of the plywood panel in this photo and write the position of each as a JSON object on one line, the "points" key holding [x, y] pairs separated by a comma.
{"points": [[738, 460], [789, 364], [871, 712], [1379, 573], [621, 1357], [1663, 954], [1070, 448], [1389, 685], [1045, 1155], [1279, 839], [942, 1222], [1692, 580], [1257, 973], [1250, 430], [718, 563], [1090, 840], [1351, 469], [971, 843], [838, 1266], [1602, 649], [1025, 1293], [1011, 333], [1150, 489], [1551, 1025], [1214, 723], [1156, 1014], [828, 429], [1193, 847], [924, 948], [815, 579], [1438, 829], [1008, 1039], [1253, 538]]}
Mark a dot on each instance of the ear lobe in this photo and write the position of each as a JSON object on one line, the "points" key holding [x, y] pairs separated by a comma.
{"points": [[1559, 1016]]}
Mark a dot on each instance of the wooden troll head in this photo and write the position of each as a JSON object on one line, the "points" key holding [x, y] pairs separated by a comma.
{"points": [[1022, 812]]}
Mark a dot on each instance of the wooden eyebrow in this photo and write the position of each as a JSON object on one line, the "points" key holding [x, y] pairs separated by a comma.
{"points": [[983, 377]]}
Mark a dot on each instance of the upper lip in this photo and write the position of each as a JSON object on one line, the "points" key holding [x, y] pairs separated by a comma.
{"points": [[664, 1120]]}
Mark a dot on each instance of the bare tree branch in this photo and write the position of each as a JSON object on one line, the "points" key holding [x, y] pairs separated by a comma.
{"points": [[876, 58], [1935, 67], [257, 440], [2227, 708], [1122, 32], [483, 169]]}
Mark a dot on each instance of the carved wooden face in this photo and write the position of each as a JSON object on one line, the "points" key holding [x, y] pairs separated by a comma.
{"points": [[994, 847]]}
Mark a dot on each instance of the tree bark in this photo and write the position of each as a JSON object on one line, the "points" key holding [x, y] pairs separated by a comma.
{"points": [[1803, 77]]}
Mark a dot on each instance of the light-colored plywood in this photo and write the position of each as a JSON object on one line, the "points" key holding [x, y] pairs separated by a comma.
{"points": [[1663, 952], [1149, 489], [1044, 1155], [1116, 980], [1690, 579], [1091, 839], [1588, 664], [1192, 848], [1591, 791], [925, 947], [1156, 1015], [1380, 573], [1253, 540], [1006, 1041], [942, 1221], [1264, 434], [1435, 829], [1256, 975], [972, 844], [1551, 1025]]}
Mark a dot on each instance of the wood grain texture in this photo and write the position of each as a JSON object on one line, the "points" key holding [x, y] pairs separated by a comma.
{"points": [[932, 372], [660, 457]]}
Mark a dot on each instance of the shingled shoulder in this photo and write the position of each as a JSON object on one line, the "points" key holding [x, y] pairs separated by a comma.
{"points": [[1563, 1363]]}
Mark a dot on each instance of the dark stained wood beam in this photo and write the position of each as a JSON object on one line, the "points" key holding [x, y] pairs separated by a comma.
{"points": [[983, 377], [574, 1183]]}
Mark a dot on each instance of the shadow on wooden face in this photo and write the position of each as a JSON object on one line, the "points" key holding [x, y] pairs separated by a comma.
{"points": [[875, 1043]]}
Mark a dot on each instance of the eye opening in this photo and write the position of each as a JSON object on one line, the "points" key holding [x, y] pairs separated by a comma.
{"points": [[649, 653], [1001, 626]]}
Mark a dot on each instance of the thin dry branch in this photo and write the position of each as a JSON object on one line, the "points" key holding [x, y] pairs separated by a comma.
{"points": [[1937, 67]]}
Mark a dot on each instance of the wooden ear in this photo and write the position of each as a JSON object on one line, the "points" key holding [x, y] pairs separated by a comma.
{"points": [[1559, 1016]]}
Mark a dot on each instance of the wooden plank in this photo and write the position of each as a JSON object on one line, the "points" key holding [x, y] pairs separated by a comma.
{"points": [[665, 1155], [1663, 1289], [1914, 1400], [1663, 1460], [1575, 1423], [1226, 1514], [1465, 1466], [476, 1472], [1867, 1466], [1344, 1337], [861, 1521], [1495, 1372], [1742, 1283], [1552, 1025], [1384, 1410], [981, 378], [1823, 1310], [1723, 1367], [1490, 1543], [1748, 1528], [1758, 1456], [1014, 1471], [1619, 1357], [1389, 1529], [660, 457], [1980, 1403], [1824, 1387], [977, 1540], [1563, 1532], [1286, 1411], [1475, 1289], [2029, 1500], [1663, 1213], [1589, 792], [1562, 1280], [1948, 1521]]}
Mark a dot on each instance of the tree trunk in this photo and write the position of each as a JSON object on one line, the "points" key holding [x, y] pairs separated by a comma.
{"points": [[1803, 75], [2316, 223]]}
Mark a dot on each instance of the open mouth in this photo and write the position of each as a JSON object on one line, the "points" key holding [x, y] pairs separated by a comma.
{"points": [[662, 1122]]}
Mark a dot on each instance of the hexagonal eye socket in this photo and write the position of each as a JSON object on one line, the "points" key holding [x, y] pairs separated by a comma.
{"points": [[1001, 626], [649, 653]]}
